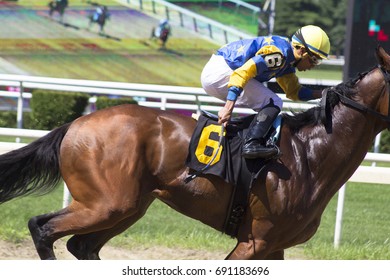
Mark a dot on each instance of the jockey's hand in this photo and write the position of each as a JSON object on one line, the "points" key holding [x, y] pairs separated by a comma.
{"points": [[225, 113], [317, 93]]}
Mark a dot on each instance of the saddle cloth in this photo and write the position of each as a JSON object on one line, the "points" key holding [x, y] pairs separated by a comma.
{"points": [[210, 153], [220, 156]]}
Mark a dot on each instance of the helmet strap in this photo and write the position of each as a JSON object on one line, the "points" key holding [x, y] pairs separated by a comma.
{"points": [[295, 64]]}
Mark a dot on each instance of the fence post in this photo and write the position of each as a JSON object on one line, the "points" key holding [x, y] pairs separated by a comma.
{"points": [[154, 7], [376, 146], [66, 197], [226, 36], [167, 12], [210, 31], [19, 113], [195, 25], [199, 104], [339, 216], [163, 103], [181, 19]]}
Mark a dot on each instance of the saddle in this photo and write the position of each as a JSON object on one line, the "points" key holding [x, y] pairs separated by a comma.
{"points": [[217, 151]]}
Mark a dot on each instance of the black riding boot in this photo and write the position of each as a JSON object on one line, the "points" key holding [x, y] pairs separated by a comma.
{"points": [[255, 140]]}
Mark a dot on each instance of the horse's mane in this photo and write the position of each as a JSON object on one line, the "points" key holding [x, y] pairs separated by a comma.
{"points": [[312, 116]]}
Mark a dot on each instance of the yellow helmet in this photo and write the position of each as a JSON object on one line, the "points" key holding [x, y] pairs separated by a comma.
{"points": [[314, 39]]}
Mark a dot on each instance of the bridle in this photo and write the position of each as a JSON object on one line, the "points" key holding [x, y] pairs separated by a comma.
{"points": [[353, 104]]}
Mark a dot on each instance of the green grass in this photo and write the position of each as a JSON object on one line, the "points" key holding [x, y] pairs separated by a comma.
{"points": [[365, 228], [321, 74], [16, 213], [241, 19], [323, 71]]}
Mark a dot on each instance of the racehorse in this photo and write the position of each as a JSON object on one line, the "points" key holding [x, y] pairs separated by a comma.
{"points": [[162, 35], [99, 18], [117, 161], [58, 6]]}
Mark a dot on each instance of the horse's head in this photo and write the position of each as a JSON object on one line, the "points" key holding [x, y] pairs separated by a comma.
{"points": [[383, 58], [369, 93], [374, 87]]}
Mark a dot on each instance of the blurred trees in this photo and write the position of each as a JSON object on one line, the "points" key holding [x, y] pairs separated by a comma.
{"points": [[330, 15]]}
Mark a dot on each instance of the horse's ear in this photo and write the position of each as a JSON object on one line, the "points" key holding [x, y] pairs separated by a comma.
{"points": [[383, 58]]}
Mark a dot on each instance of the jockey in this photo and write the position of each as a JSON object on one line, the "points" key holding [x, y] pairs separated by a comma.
{"points": [[98, 12], [236, 72], [164, 24]]}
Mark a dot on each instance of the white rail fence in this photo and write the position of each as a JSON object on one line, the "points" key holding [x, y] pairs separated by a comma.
{"points": [[165, 98], [185, 18], [156, 96]]}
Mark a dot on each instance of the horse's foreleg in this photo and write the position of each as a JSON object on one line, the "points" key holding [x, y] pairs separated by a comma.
{"points": [[90, 23], [252, 244], [88, 246], [253, 249], [277, 255]]}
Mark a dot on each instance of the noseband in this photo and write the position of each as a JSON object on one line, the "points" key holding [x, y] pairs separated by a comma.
{"points": [[353, 104]]}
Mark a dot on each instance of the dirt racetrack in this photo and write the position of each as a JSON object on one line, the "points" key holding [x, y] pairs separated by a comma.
{"points": [[26, 251]]}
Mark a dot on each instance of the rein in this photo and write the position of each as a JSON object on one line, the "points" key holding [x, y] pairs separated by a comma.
{"points": [[353, 104]]}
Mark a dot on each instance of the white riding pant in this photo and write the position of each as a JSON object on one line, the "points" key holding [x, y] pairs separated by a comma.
{"points": [[215, 78]]}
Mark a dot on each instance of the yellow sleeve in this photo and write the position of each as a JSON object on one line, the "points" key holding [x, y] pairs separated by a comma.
{"points": [[243, 74], [290, 85]]}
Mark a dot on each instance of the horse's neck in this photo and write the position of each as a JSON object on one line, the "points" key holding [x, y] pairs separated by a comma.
{"points": [[332, 158]]}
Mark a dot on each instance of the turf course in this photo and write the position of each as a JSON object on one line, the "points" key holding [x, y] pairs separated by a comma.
{"points": [[48, 48]]}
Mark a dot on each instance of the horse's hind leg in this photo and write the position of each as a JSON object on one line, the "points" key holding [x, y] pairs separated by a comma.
{"points": [[38, 228], [75, 219], [88, 246], [101, 28], [51, 10], [62, 16]]}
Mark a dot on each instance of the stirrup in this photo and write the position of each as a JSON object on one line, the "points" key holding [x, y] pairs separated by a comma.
{"points": [[257, 150]]}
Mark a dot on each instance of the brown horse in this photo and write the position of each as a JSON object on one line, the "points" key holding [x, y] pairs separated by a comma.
{"points": [[162, 35], [116, 161]]}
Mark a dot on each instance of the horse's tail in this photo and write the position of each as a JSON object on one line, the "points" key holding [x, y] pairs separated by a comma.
{"points": [[33, 168]]}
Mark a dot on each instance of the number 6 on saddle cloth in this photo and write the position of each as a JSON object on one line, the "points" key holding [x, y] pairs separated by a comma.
{"points": [[217, 151]]}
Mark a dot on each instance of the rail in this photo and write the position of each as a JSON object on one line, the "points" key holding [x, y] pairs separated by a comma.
{"points": [[185, 18], [156, 96]]}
